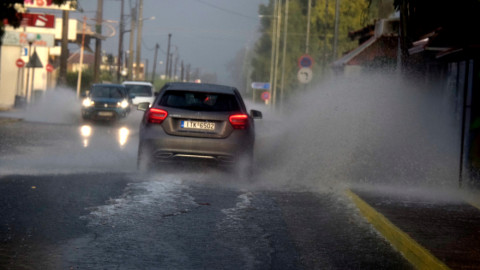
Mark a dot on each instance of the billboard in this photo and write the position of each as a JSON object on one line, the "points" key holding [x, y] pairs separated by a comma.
{"points": [[38, 20], [48, 4], [13, 38]]}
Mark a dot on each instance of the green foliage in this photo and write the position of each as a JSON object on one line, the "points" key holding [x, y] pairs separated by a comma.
{"points": [[9, 13], [87, 79], [353, 15]]}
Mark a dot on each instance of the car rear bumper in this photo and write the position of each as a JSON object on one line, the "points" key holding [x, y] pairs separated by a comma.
{"points": [[168, 148]]}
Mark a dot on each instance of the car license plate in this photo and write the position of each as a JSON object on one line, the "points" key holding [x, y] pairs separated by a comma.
{"points": [[197, 125], [105, 113]]}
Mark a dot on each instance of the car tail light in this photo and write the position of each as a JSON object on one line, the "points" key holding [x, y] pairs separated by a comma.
{"points": [[238, 121], [156, 116]]}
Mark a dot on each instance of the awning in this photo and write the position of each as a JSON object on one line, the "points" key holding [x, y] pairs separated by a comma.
{"points": [[375, 47]]}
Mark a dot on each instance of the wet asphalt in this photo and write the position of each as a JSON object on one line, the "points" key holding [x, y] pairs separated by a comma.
{"points": [[67, 206]]}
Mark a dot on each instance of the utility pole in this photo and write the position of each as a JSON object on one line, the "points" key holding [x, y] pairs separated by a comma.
{"points": [[139, 39], [277, 48], [98, 41], [182, 72], [187, 71], [325, 38], [62, 77], [120, 42], [168, 57], [145, 69], [307, 41], [132, 36], [155, 63], [79, 80], [170, 66], [273, 50], [335, 37], [284, 57], [175, 66]]}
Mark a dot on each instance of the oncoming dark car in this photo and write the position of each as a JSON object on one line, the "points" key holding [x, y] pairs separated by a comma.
{"points": [[190, 121], [106, 102]]}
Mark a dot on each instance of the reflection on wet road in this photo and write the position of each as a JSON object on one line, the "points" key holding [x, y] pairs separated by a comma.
{"points": [[122, 134]]}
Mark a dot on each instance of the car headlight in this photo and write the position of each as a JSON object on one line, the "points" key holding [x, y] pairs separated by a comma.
{"points": [[123, 104], [87, 102]]}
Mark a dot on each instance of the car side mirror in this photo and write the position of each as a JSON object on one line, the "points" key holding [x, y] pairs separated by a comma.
{"points": [[256, 114], [143, 106], [131, 96]]}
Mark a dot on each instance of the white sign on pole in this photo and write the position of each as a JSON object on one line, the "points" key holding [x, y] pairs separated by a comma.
{"points": [[304, 75]]}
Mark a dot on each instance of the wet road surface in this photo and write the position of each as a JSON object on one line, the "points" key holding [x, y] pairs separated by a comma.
{"points": [[70, 204]]}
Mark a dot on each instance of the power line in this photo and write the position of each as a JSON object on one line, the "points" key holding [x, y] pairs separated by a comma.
{"points": [[226, 10], [146, 47]]}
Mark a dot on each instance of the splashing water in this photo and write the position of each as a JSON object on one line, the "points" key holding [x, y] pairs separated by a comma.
{"points": [[374, 129]]}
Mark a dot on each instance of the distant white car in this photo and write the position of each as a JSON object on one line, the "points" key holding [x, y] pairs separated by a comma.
{"points": [[140, 91]]}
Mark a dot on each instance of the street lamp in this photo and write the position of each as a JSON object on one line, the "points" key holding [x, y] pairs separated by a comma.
{"points": [[30, 40]]}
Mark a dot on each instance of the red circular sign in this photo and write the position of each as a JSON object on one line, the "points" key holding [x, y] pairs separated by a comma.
{"points": [[305, 61], [20, 63], [49, 67], [266, 95]]}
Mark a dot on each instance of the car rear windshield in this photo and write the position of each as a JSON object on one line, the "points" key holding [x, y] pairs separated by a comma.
{"points": [[139, 90], [199, 101], [107, 92]]}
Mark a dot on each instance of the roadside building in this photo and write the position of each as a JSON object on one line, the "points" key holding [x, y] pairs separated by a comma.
{"points": [[34, 45], [378, 48]]}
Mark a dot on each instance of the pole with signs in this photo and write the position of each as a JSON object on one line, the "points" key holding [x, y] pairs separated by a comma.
{"points": [[20, 64], [79, 80], [30, 39], [305, 63], [34, 62], [261, 86]]}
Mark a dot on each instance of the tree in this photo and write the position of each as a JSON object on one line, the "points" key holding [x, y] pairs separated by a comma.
{"points": [[10, 13], [354, 15]]}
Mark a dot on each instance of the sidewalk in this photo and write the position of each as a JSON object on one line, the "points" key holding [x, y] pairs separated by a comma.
{"points": [[432, 229], [9, 115]]}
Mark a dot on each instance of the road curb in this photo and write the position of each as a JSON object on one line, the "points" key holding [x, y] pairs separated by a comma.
{"points": [[417, 255], [4, 120]]}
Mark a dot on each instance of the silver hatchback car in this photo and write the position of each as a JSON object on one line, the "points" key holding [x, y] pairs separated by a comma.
{"points": [[197, 122]]}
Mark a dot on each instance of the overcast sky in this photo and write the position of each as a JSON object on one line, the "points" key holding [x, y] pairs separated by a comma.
{"points": [[207, 33]]}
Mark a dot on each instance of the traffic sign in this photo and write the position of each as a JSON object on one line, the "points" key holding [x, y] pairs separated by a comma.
{"points": [[20, 63], [34, 61], [266, 95], [49, 67], [261, 85], [304, 75], [305, 61]]}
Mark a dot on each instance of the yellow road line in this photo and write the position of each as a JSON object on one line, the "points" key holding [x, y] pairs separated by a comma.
{"points": [[474, 203], [417, 255]]}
